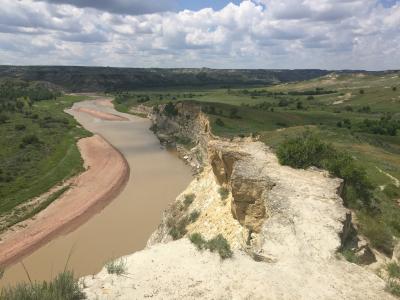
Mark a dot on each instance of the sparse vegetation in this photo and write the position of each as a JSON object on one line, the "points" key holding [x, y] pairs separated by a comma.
{"points": [[393, 287], [63, 287], [223, 192], [189, 198], [194, 215], [217, 244], [117, 267], [393, 270]]}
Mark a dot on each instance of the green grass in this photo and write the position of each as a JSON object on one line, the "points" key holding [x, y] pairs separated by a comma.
{"points": [[28, 170], [117, 267], [63, 287]]}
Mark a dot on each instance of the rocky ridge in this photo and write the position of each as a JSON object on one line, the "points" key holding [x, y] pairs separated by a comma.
{"points": [[284, 225]]}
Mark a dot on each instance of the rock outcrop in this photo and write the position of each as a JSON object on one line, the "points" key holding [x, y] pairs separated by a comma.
{"points": [[285, 226]]}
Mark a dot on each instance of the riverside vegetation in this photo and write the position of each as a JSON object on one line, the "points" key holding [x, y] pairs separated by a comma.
{"points": [[38, 145], [350, 124]]}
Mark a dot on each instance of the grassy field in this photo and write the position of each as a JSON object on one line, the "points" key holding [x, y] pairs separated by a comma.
{"points": [[38, 150], [356, 113]]}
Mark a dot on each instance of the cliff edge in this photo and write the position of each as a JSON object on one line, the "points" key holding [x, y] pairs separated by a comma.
{"points": [[284, 226]]}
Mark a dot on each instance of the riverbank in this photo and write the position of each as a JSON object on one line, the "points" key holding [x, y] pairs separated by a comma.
{"points": [[106, 175]]}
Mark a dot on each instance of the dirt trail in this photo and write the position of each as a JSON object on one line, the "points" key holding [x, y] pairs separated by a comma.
{"points": [[106, 175]]}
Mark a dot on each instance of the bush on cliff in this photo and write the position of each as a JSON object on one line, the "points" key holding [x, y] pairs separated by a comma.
{"points": [[309, 150], [217, 244]]}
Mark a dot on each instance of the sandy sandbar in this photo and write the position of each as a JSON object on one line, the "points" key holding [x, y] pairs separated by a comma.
{"points": [[106, 174], [101, 115]]}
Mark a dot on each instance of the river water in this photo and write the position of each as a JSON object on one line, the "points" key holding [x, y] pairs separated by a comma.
{"points": [[123, 227]]}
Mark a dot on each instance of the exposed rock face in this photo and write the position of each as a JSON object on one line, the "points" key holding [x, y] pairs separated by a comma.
{"points": [[189, 125], [285, 226], [237, 170]]}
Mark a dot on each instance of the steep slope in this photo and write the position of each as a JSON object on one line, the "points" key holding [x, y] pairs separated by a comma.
{"points": [[283, 224]]}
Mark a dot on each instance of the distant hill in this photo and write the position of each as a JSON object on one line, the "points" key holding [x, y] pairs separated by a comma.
{"points": [[90, 79]]}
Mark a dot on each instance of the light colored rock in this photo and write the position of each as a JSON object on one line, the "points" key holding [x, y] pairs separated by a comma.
{"points": [[285, 237], [178, 271], [294, 256]]}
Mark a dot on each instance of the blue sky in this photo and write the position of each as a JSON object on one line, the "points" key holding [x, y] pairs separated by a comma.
{"points": [[199, 4]]}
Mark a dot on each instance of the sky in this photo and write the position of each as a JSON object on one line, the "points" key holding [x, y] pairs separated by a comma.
{"points": [[271, 34]]}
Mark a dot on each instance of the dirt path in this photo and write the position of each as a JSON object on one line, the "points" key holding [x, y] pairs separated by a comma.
{"points": [[106, 175]]}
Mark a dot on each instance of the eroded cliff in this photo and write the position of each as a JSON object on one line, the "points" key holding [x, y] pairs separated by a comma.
{"points": [[284, 225]]}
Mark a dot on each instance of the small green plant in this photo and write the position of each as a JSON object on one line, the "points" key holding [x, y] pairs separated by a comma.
{"points": [[217, 244], [2, 270], [198, 240], [393, 287], [194, 216], [350, 256], [189, 198], [393, 270], [178, 229], [223, 192], [117, 267], [221, 245]]}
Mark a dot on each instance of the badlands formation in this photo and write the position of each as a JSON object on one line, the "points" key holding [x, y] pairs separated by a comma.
{"points": [[284, 225]]}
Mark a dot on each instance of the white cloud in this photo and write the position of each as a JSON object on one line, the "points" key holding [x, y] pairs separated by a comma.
{"points": [[332, 34]]}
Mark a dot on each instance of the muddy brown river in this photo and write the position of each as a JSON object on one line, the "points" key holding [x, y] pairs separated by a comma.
{"points": [[157, 176]]}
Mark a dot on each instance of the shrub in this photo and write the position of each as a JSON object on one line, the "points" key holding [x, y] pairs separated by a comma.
{"points": [[194, 216], [283, 103], [117, 267], [198, 240], [217, 244], [64, 286], [393, 270], [394, 88], [30, 139], [3, 118], [170, 110], [178, 229], [223, 192], [299, 105], [221, 245], [362, 91], [20, 127], [309, 150], [303, 152], [189, 198], [219, 122]]}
